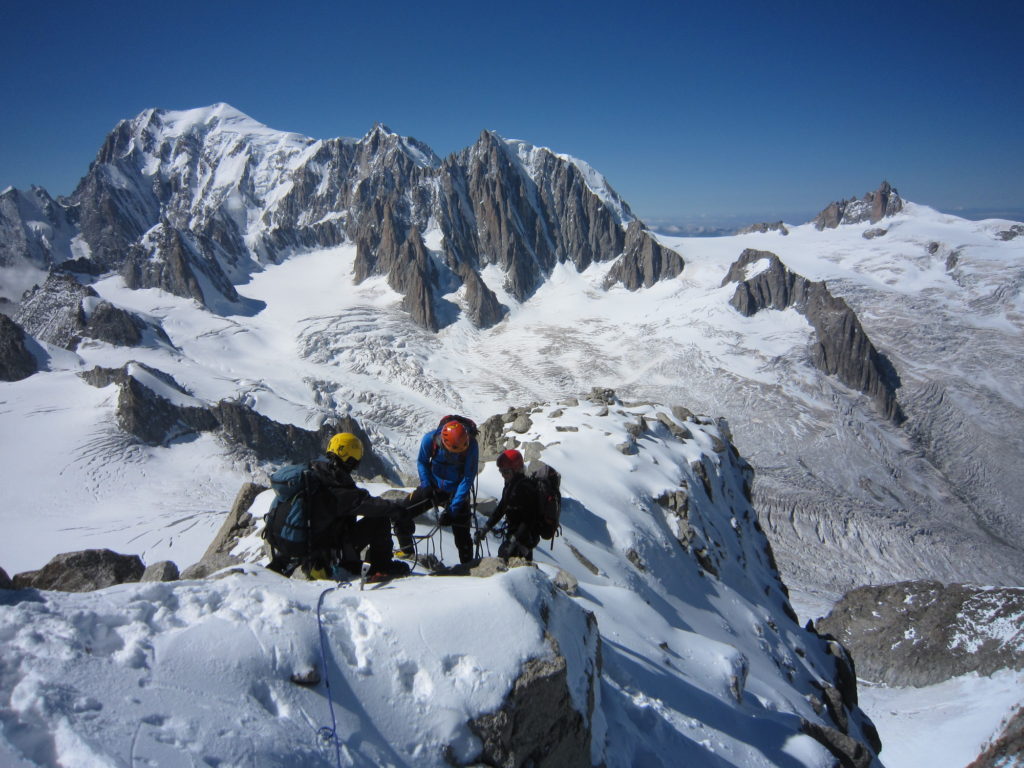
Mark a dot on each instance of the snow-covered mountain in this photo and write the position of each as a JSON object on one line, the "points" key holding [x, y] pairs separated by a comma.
{"points": [[305, 279]]}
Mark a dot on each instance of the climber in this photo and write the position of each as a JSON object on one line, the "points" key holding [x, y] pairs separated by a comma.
{"points": [[337, 518], [447, 465], [519, 505]]}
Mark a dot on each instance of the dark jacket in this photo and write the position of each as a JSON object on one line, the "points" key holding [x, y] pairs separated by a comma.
{"points": [[337, 501], [519, 505]]}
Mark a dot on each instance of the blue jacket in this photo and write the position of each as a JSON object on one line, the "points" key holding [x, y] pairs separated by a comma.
{"points": [[449, 472]]}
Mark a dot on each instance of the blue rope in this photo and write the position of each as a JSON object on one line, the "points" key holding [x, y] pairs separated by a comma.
{"points": [[328, 735]]}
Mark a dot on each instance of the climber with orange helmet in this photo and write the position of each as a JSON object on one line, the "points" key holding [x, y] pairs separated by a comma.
{"points": [[447, 465]]}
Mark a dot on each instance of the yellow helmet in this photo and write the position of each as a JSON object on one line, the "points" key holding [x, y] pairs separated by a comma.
{"points": [[346, 447]]}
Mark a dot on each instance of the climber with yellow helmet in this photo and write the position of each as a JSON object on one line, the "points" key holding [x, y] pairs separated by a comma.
{"points": [[340, 519]]}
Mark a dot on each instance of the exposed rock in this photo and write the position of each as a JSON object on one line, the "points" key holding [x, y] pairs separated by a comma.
{"points": [[53, 311], [874, 206], [603, 396], [1017, 230], [921, 633], [83, 571], [165, 570], [35, 229], [238, 522], [871, 234], [538, 725], [16, 362], [847, 750], [62, 312], [145, 410], [482, 305], [5, 580], [841, 348], [208, 565], [644, 262], [1007, 749], [521, 424], [763, 228], [566, 582]]}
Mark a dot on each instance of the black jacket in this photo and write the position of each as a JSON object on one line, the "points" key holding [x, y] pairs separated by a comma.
{"points": [[518, 503], [337, 501]]}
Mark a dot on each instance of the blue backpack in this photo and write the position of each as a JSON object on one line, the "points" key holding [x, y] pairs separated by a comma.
{"points": [[288, 522]]}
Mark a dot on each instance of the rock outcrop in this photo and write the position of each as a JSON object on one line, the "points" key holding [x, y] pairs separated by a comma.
{"points": [[920, 633], [841, 346], [1007, 749], [763, 228], [16, 361], [63, 312], [83, 571], [539, 724], [873, 207], [644, 261], [154, 408]]}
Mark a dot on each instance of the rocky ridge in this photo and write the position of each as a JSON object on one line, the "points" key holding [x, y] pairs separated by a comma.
{"points": [[841, 348], [873, 207]]}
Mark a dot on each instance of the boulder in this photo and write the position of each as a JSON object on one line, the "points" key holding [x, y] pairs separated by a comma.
{"points": [[83, 571], [209, 565], [164, 570]]}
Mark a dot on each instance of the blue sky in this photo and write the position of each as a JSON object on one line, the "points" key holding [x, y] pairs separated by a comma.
{"points": [[754, 109]]}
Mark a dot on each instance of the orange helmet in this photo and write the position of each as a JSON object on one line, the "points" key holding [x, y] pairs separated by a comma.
{"points": [[454, 437]]}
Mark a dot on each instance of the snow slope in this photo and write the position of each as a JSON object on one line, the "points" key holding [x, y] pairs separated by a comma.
{"points": [[697, 665]]}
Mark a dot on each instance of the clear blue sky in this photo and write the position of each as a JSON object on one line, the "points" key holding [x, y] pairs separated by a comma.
{"points": [[760, 109]]}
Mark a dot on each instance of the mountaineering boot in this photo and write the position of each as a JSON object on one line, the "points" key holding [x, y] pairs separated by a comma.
{"points": [[395, 569]]}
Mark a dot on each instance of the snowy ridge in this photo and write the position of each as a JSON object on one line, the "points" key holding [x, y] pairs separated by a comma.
{"points": [[701, 658]]}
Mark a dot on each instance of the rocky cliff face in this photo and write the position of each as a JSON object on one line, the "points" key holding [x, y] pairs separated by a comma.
{"points": [[62, 312], [193, 202], [16, 362], [35, 229], [923, 632], [841, 347], [873, 207]]}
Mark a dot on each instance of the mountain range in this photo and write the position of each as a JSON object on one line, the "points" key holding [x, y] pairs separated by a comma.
{"points": [[868, 362], [216, 297]]}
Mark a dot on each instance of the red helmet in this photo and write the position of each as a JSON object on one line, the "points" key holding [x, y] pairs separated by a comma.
{"points": [[510, 460], [454, 437]]}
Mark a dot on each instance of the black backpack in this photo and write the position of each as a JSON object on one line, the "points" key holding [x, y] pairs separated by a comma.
{"points": [[549, 499], [287, 524]]}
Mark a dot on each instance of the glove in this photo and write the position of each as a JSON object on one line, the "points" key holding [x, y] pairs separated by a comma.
{"points": [[480, 535], [446, 518]]}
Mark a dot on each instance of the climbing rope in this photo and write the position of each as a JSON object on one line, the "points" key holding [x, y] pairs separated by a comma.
{"points": [[325, 734]]}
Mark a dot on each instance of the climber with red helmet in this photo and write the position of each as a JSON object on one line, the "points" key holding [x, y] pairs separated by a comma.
{"points": [[447, 465], [518, 505]]}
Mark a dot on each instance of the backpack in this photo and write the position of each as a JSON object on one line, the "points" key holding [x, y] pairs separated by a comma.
{"points": [[288, 522], [468, 423], [549, 500]]}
